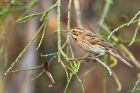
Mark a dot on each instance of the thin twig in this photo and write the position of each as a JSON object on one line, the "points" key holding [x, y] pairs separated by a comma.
{"points": [[68, 29], [89, 71], [116, 30], [45, 13], [46, 55], [68, 82], [64, 44], [105, 11], [96, 59], [133, 18], [71, 50], [77, 12], [59, 29], [134, 37], [69, 16], [104, 14], [25, 18], [109, 70], [28, 69], [135, 86], [24, 50], [123, 48], [42, 37], [130, 55], [52, 59], [118, 82], [59, 37], [79, 80], [38, 75]]}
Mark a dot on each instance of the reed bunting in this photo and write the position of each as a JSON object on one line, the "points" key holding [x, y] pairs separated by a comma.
{"points": [[91, 43]]}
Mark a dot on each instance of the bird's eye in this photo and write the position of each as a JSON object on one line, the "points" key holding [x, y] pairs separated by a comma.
{"points": [[76, 34]]}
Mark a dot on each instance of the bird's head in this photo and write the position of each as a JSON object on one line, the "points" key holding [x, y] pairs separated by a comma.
{"points": [[76, 33]]}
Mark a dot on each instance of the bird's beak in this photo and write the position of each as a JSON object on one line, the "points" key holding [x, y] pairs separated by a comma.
{"points": [[73, 36]]}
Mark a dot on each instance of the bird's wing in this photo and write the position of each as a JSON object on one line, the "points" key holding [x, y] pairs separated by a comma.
{"points": [[95, 40]]}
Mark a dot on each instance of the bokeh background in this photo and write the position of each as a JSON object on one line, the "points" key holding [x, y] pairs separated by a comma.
{"points": [[95, 78]]}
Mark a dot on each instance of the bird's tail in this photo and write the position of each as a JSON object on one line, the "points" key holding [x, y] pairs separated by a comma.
{"points": [[115, 54]]}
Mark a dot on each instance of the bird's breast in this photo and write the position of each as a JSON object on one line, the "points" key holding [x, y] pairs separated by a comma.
{"points": [[98, 50], [95, 49]]}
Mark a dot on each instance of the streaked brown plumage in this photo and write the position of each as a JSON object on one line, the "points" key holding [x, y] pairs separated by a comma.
{"points": [[93, 44]]}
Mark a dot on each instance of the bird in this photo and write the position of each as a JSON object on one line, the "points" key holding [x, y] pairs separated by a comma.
{"points": [[93, 44]]}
